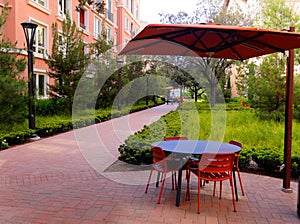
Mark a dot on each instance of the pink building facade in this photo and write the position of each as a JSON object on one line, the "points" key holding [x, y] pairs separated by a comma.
{"points": [[121, 21]]}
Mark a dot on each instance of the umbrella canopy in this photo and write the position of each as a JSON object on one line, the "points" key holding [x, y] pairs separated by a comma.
{"points": [[220, 41], [210, 40]]}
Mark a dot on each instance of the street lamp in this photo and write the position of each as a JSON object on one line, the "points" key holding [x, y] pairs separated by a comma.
{"points": [[29, 30], [120, 62]]}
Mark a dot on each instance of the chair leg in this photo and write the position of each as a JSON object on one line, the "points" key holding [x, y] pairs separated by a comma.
{"points": [[215, 183], [157, 180], [221, 189], [148, 181], [187, 195], [199, 183], [232, 192], [241, 184], [173, 181], [176, 185], [162, 187]]}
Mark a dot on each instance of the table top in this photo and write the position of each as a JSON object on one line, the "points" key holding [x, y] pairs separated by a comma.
{"points": [[196, 147]]}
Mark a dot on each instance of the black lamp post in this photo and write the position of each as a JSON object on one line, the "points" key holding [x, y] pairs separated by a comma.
{"points": [[29, 30], [120, 62]]}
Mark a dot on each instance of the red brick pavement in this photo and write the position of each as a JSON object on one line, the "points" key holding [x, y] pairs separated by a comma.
{"points": [[52, 181]]}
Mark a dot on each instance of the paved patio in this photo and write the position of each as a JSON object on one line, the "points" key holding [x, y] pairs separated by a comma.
{"points": [[62, 179]]}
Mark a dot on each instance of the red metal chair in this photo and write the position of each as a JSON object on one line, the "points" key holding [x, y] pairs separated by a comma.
{"points": [[213, 167], [236, 163], [235, 168], [163, 165], [174, 173]]}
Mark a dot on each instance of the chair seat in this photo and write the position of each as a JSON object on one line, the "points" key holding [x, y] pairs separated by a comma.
{"points": [[209, 176]]}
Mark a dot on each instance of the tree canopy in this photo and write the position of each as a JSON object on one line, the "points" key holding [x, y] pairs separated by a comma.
{"points": [[12, 85], [211, 70]]}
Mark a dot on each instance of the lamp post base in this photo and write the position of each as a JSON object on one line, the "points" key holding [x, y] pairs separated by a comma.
{"points": [[34, 137], [287, 190]]}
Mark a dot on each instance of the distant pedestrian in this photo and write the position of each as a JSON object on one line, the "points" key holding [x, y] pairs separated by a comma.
{"points": [[173, 98]]}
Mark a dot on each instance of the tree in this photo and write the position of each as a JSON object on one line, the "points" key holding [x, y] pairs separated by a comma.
{"points": [[213, 70], [265, 80], [67, 61], [12, 86]]}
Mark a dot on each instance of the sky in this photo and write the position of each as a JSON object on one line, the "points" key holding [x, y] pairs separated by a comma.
{"points": [[151, 8]]}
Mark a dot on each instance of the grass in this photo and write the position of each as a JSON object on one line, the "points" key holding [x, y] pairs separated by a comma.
{"points": [[241, 125]]}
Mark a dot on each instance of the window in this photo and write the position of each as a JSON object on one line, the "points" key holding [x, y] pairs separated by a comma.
{"points": [[109, 14], [97, 27], [82, 19], [128, 4], [137, 12], [132, 30], [108, 34], [61, 46], [39, 44], [41, 2], [40, 85], [126, 24], [63, 7], [132, 7], [41, 5]]}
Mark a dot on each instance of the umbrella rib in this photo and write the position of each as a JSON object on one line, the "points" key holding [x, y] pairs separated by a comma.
{"points": [[217, 48], [224, 40], [244, 42], [198, 39], [269, 46]]}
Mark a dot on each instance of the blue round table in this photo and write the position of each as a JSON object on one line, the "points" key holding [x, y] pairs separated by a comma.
{"points": [[195, 147]]}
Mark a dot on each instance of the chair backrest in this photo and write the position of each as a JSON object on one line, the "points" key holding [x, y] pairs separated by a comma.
{"points": [[239, 144], [158, 154], [176, 138], [216, 162]]}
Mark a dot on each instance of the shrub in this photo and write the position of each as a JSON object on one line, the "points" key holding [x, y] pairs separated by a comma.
{"points": [[53, 124], [50, 107], [263, 140]]}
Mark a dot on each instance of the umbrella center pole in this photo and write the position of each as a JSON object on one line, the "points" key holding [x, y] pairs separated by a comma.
{"points": [[288, 120]]}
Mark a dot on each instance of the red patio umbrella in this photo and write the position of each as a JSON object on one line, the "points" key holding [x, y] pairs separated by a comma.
{"points": [[221, 41], [210, 40]]}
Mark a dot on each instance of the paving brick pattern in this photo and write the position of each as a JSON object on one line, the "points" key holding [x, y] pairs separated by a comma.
{"points": [[50, 181]]}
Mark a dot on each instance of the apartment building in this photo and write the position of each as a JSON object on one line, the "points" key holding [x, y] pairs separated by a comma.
{"points": [[121, 23]]}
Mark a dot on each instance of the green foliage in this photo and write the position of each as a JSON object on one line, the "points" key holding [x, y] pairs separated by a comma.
{"points": [[266, 86], [51, 106], [51, 124], [278, 15], [136, 149], [262, 140], [68, 60], [13, 100], [264, 83], [296, 98]]}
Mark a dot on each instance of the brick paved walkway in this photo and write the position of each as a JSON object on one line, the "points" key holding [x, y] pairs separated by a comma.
{"points": [[57, 180]]}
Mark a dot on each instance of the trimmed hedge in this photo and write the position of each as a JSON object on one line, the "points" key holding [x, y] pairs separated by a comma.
{"points": [[51, 125]]}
